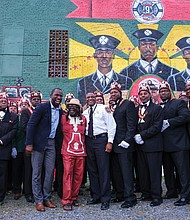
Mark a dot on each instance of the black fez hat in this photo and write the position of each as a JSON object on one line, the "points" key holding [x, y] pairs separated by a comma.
{"points": [[183, 43], [148, 35], [104, 42]]}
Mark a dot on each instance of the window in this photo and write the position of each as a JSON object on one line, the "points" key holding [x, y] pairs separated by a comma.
{"points": [[58, 54]]}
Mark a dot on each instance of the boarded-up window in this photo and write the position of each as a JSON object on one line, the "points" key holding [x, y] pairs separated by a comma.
{"points": [[58, 54]]}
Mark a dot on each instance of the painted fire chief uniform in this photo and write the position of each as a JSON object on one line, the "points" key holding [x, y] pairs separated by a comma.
{"points": [[73, 152], [184, 45], [149, 147], [149, 64], [104, 46]]}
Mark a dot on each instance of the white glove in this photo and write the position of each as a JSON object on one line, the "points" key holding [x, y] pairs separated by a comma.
{"points": [[14, 152], [165, 125], [138, 139], [124, 144]]}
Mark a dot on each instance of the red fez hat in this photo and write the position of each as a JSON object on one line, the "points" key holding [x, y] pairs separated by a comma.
{"points": [[3, 95], [182, 94], [144, 87], [35, 93], [98, 93], [13, 104], [164, 85], [115, 85]]}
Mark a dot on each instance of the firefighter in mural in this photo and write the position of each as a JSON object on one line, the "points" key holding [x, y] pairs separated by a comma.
{"points": [[148, 63], [104, 46], [184, 45]]}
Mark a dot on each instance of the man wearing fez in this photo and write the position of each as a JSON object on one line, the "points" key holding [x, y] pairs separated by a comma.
{"points": [[104, 46], [184, 45], [126, 119], [176, 141], [8, 130], [149, 147], [148, 63]]}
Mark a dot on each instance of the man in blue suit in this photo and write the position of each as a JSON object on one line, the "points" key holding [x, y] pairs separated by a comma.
{"points": [[101, 80], [40, 141]]}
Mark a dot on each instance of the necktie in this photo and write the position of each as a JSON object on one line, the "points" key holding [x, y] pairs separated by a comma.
{"points": [[150, 70], [90, 124], [143, 105], [104, 81]]}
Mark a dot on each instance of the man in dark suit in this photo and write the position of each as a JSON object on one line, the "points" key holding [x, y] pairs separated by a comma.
{"points": [[125, 115], [184, 45], [35, 99], [149, 147], [8, 130], [176, 139], [148, 63], [104, 46], [40, 141]]}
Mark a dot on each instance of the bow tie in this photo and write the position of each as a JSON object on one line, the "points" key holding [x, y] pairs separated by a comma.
{"points": [[163, 103], [143, 105]]}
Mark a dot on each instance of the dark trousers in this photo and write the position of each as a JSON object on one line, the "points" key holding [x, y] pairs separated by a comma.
{"points": [[126, 166], [170, 175], [116, 175], [150, 173], [3, 178], [98, 168], [181, 161], [27, 176], [58, 184], [18, 171]]}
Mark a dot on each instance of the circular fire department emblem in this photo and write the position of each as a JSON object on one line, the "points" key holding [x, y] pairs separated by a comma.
{"points": [[148, 12]]}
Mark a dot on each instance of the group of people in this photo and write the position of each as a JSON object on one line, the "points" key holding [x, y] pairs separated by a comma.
{"points": [[119, 143]]}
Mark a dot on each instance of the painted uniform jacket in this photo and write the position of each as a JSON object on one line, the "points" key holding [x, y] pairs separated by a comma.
{"points": [[74, 136], [136, 70]]}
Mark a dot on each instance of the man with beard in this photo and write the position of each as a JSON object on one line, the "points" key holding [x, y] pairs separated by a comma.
{"points": [[100, 133], [104, 46], [8, 130], [125, 115], [40, 141], [148, 63], [149, 147], [176, 140]]}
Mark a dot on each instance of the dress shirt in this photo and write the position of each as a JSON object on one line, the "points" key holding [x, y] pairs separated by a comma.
{"points": [[146, 65], [103, 121], [101, 76], [54, 120]]}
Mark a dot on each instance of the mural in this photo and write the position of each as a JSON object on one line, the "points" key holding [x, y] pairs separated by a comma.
{"points": [[146, 51]]}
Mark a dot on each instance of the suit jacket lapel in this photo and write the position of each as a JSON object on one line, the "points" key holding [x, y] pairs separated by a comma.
{"points": [[96, 82]]}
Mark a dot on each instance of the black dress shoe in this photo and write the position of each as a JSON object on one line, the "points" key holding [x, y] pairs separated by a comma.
{"points": [[128, 204], [93, 201], [116, 200], [105, 205], [156, 202], [170, 196], [181, 202], [144, 198], [30, 199]]}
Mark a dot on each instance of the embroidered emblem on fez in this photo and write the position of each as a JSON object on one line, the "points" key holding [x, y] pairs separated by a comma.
{"points": [[103, 40]]}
